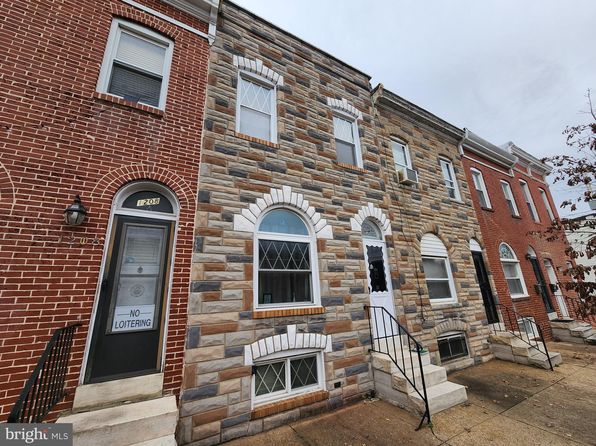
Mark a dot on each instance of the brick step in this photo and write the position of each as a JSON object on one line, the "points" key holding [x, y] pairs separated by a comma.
{"points": [[150, 423]]}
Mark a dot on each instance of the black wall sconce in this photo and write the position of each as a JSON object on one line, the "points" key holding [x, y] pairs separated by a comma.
{"points": [[75, 214]]}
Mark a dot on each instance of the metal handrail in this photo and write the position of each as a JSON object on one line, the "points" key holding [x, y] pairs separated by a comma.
{"points": [[580, 310], [45, 387], [392, 353], [537, 343]]}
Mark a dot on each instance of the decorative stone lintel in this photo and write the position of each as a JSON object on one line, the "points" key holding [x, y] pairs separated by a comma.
{"points": [[344, 106], [374, 213], [246, 220], [256, 66], [291, 340]]}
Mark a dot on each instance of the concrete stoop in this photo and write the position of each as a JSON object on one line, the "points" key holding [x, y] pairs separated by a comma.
{"points": [[570, 330], [392, 386], [508, 347], [143, 423]]}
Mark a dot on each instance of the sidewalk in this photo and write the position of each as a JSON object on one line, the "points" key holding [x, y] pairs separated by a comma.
{"points": [[508, 404]]}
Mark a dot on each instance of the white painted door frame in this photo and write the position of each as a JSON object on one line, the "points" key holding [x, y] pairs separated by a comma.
{"points": [[552, 278]]}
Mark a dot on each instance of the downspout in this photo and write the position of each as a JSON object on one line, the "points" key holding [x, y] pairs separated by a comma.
{"points": [[460, 145]]}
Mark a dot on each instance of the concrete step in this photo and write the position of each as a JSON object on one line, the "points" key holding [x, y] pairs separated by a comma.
{"points": [[539, 359], [582, 331], [383, 362], [126, 424], [440, 397], [565, 323], [591, 340], [433, 375], [95, 396]]}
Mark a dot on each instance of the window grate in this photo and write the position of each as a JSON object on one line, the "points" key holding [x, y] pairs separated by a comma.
{"points": [[452, 346]]}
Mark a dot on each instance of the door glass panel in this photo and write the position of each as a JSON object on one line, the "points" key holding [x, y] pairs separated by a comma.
{"points": [[138, 279], [376, 268]]}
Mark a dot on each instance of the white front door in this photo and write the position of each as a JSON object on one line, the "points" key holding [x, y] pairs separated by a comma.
{"points": [[379, 288], [552, 278]]}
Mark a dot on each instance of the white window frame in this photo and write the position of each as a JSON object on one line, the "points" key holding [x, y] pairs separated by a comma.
{"points": [[453, 298], [287, 356], [451, 170], [549, 210], [454, 334], [314, 263], [481, 187], [256, 79], [355, 133], [529, 200], [142, 32], [508, 194], [397, 165], [518, 270]]}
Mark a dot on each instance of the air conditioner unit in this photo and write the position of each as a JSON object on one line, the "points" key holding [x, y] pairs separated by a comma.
{"points": [[408, 176]]}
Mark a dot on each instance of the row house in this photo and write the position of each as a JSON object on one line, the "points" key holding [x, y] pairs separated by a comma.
{"points": [[513, 205], [102, 111], [310, 202]]}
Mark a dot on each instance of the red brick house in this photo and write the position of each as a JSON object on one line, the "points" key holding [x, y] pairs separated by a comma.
{"points": [[102, 100], [512, 199]]}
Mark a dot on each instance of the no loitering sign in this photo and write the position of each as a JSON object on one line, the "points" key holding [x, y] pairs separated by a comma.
{"points": [[133, 318]]}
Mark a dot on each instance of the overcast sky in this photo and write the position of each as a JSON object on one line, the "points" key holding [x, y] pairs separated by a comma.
{"points": [[509, 70]]}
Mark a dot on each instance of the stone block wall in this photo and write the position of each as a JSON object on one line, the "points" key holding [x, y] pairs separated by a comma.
{"points": [[426, 208]]}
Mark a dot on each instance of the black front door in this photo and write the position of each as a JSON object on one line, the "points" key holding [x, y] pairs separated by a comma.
{"points": [[487, 293], [129, 319], [541, 287]]}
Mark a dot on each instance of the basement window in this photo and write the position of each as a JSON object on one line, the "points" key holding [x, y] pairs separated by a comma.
{"points": [[136, 64], [452, 346], [285, 377]]}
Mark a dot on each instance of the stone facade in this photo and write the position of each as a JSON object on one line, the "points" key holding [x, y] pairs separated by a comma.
{"points": [[243, 177], [426, 208]]}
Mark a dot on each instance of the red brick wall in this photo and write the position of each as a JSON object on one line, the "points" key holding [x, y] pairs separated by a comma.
{"points": [[57, 139], [498, 225]]}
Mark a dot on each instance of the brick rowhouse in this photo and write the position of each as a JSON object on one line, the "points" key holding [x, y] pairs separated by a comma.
{"points": [[511, 164], [59, 137]]}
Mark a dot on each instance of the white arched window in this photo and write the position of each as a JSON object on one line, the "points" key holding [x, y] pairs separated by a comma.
{"points": [[286, 263], [437, 270], [512, 270]]}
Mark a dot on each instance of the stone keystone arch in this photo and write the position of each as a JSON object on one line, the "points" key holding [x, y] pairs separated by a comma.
{"points": [[373, 212], [286, 341], [246, 220]]}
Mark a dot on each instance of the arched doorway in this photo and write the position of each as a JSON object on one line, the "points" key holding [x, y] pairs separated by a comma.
{"points": [[541, 287], [129, 322]]}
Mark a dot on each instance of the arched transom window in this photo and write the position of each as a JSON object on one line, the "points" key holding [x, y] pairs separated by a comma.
{"points": [[437, 270], [286, 272], [512, 271]]}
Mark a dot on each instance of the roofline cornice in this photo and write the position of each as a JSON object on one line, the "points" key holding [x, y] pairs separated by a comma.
{"points": [[485, 149]]}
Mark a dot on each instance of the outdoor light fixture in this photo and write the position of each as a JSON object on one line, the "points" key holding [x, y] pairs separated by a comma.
{"points": [[75, 214]]}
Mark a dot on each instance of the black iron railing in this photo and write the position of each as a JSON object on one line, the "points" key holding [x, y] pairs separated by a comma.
{"points": [[45, 387], [578, 310], [401, 352], [530, 332]]}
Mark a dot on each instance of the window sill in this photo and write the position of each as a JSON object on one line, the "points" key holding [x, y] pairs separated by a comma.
{"points": [[257, 140], [287, 404], [282, 312], [517, 217], [522, 296], [445, 304], [350, 167], [106, 97], [455, 200], [487, 209]]}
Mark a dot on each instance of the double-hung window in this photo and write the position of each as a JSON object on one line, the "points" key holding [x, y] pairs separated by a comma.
{"points": [[256, 108], [512, 271], [480, 188], [509, 198], [284, 377], [437, 270], [449, 178], [529, 201], [401, 155], [347, 141], [549, 210], [136, 64], [285, 249]]}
